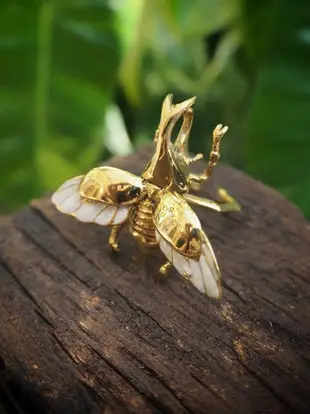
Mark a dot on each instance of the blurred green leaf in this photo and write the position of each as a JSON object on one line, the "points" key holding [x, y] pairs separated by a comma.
{"points": [[79, 77], [54, 167], [224, 52], [167, 37], [134, 20], [58, 68], [201, 18], [278, 142]]}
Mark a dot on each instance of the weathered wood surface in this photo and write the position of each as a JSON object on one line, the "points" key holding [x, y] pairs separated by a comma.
{"points": [[83, 331]]}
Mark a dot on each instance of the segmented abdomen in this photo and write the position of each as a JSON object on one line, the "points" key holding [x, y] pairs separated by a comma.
{"points": [[141, 222]]}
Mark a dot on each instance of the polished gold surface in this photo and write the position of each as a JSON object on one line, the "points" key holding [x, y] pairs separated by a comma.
{"points": [[111, 186], [195, 180], [164, 170], [142, 224], [113, 239], [164, 269], [160, 200], [226, 203], [178, 224], [155, 205]]}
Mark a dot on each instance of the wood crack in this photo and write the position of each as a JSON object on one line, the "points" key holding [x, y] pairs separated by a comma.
{"points": [[72, 245], [119, 372], [212, 391], [147, 314], [50, 255], [18, 282], [160, 380], [265, 384]]}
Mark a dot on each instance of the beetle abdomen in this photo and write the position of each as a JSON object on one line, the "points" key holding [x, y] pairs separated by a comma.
{"points": [[141, 222]]}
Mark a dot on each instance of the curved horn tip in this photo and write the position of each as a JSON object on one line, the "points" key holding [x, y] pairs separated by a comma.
{"points": [[168, 99], [185, 105], [192, 100]]}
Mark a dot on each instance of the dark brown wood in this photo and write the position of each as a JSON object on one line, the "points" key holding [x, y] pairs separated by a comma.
{"points": [[84, 331]]}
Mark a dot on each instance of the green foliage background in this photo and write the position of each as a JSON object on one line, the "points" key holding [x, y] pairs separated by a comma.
{"points": [[79, 77]]}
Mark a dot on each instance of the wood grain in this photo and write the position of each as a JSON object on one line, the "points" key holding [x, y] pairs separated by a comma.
{"points": [[85, 331]]}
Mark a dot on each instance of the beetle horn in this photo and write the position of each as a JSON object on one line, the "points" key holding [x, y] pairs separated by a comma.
{"points": [[159, 171]]}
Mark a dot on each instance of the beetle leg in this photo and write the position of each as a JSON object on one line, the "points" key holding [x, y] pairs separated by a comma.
{"points": [[195, 180], [165, 268], [113, 239], [227, 202]]}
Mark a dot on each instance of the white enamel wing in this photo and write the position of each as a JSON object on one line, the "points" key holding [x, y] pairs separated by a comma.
{"points": [[202, 272], [68, 200]]}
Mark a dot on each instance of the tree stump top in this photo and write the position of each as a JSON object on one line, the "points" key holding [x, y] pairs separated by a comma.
{"points": [[84, 331]]}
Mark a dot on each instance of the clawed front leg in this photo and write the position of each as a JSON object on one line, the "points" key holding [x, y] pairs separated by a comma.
{"points": [[113, 239], [195, 180]]}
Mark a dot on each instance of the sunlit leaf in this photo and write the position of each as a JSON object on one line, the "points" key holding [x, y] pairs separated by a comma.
{"points": [[277, 143], [54, 167], [133, 25], [117, 140], [58, 68], [200, 17]]}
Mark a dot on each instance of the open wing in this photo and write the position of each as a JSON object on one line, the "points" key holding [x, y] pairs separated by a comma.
{"points": [[184, 243], [91, 198]]}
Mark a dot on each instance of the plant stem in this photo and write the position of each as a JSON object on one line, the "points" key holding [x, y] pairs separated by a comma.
{"points": [[44, 36]]}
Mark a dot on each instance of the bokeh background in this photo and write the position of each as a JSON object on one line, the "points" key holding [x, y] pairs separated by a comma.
{"points": [[82, 80]]}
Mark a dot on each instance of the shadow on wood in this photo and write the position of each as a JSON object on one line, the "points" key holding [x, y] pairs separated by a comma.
{"points": [[83, 331]]}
